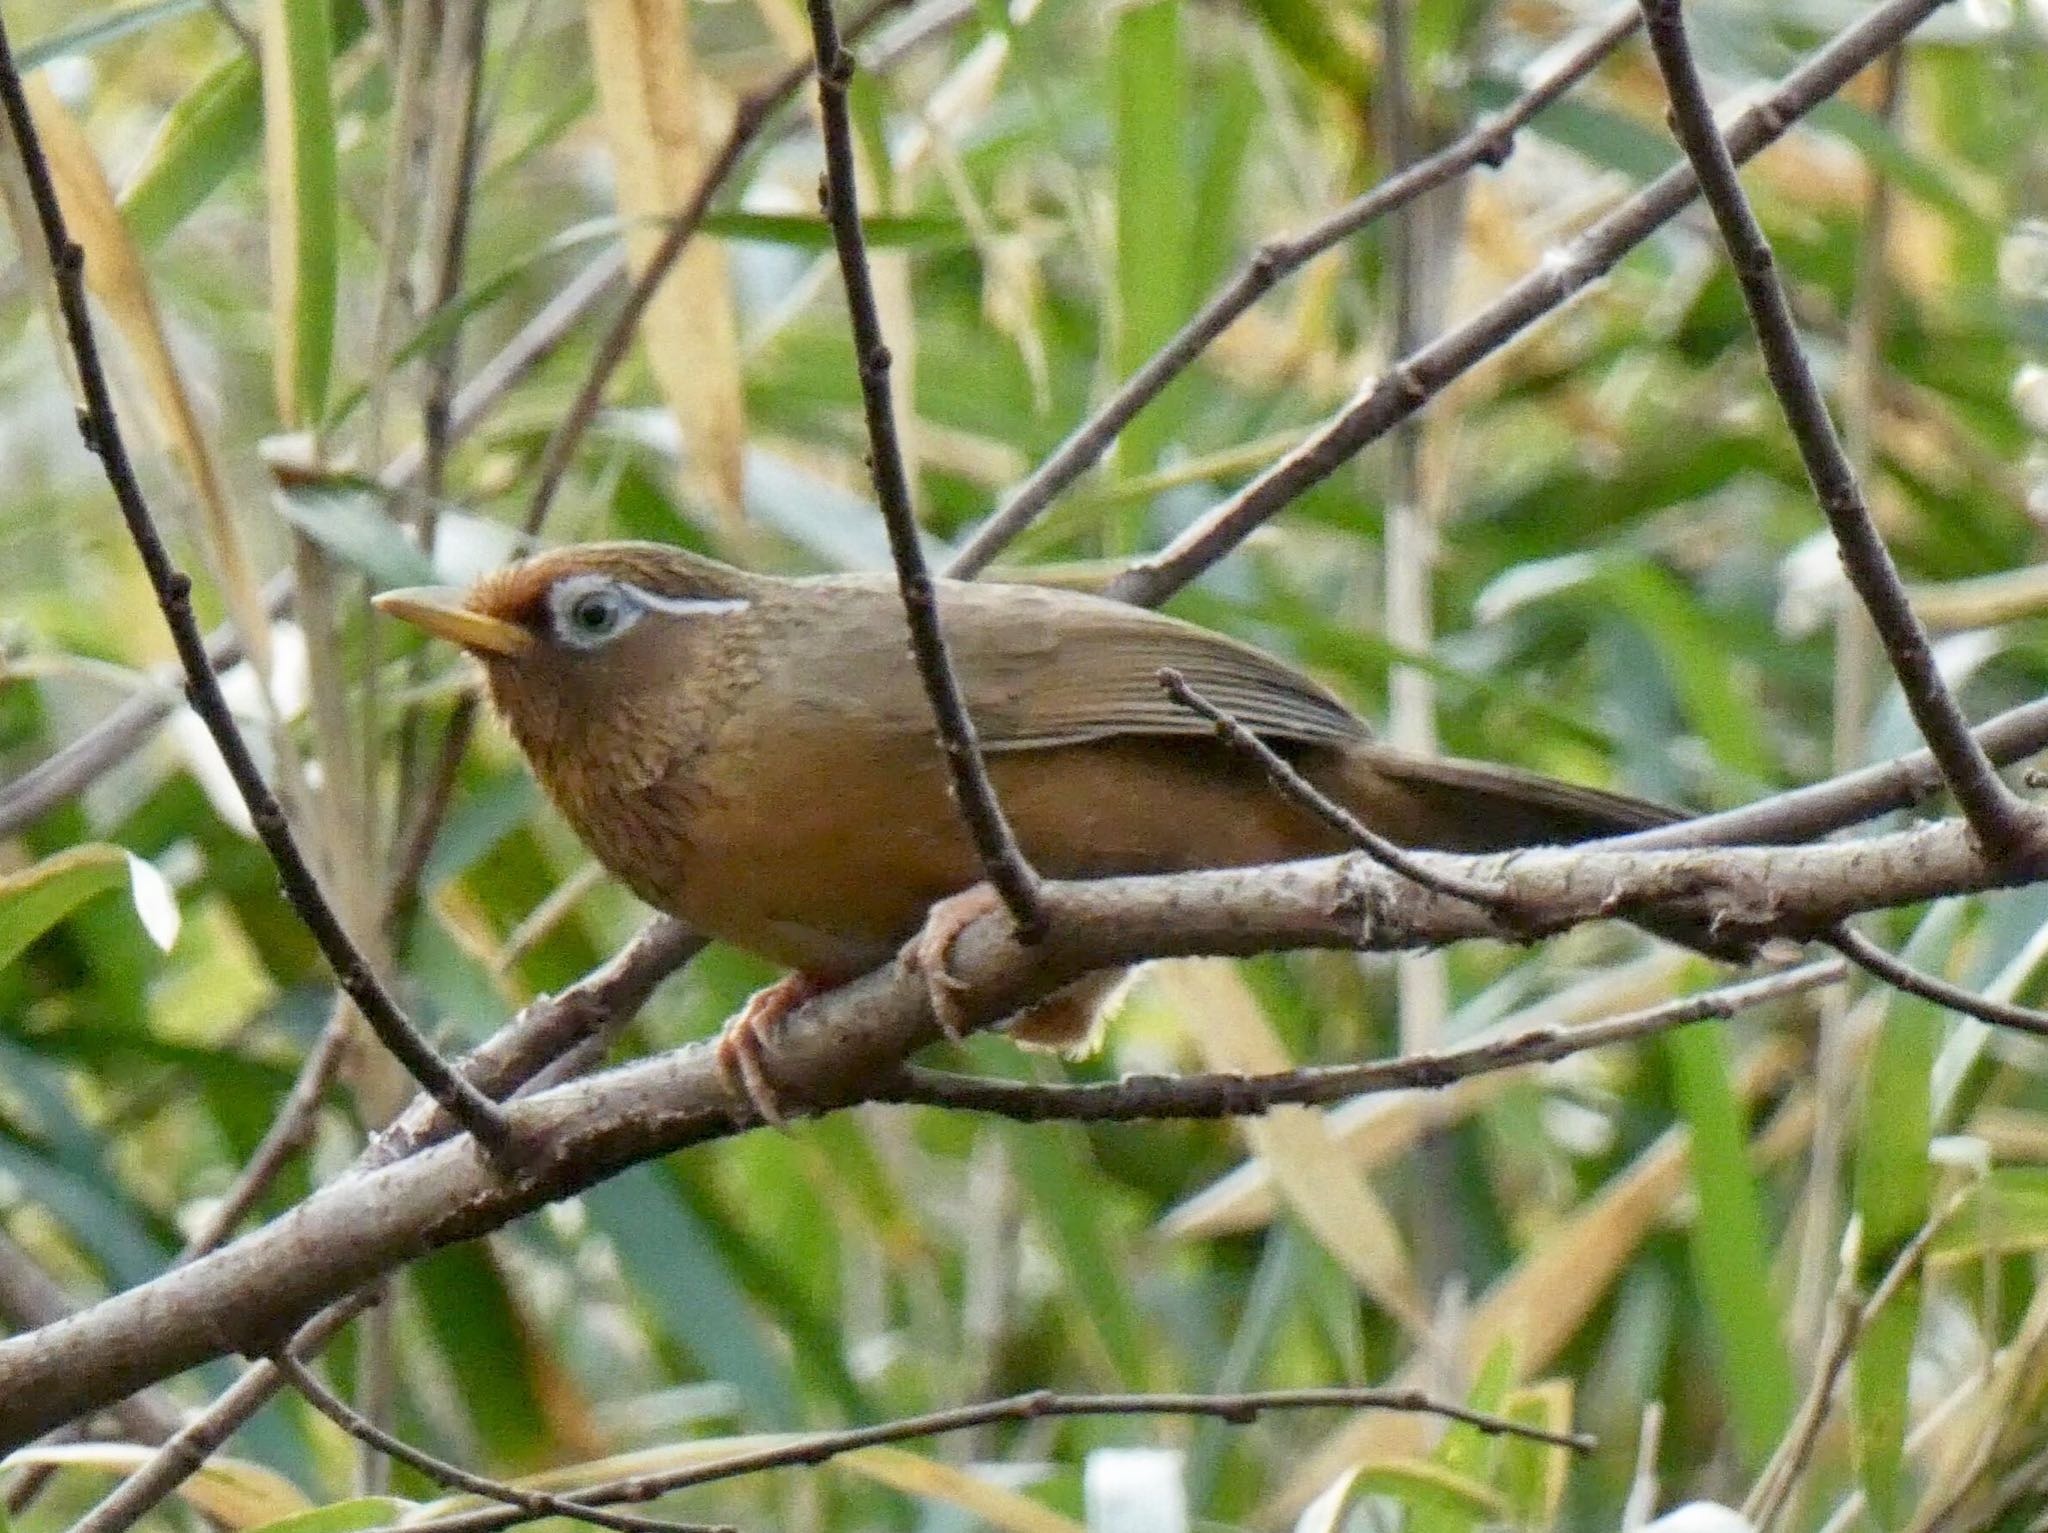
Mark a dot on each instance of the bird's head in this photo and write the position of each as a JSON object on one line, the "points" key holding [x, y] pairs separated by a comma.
{"points": [[585, 648]]}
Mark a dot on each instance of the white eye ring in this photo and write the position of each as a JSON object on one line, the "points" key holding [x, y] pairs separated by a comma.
{"points": [[590, 611]]}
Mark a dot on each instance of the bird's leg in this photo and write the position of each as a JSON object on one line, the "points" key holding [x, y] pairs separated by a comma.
{"points": [[930, 952], [739, 1045]]}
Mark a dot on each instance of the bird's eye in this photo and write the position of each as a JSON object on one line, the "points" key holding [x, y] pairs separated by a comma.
{"points": [[587, 615], [596, 614]]}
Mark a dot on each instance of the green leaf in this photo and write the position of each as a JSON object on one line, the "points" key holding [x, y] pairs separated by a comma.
{"points": [[1053, 1168], [210, 130], [94, 34], [1730, 1252], [298, 125], [483, 1336], [1303, 29], [688, 1290], [905, 232], [1533, 1475], [2005, 1214], [1671, 616], [1417, 1484], [92, 1206], [1466, 1451], [351, 1516], [1893, 1185], [354, 527], [1152, 199], [36, 899]]}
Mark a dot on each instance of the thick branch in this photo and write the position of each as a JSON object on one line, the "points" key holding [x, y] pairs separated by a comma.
{"points": [[530, 1049], [1996, 814], [839, 1047]]}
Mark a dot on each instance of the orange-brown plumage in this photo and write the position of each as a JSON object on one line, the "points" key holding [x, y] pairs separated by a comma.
{"points": [[755, 755]]}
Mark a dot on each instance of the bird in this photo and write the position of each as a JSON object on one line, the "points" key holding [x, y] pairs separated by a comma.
{"points": [[756, 755]]}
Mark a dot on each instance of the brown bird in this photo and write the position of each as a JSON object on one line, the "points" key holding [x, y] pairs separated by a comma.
{"points": [[756, 756]]}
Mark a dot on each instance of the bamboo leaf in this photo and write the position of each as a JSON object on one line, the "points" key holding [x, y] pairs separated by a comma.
{"points": [[1894, 1183], [352, 1516], [1730, 1252], [299, 157], [1152, 201], [233, 1492], [115, 274], [37, 898], [651, 95], [931, 1480], [1225, 1020]]}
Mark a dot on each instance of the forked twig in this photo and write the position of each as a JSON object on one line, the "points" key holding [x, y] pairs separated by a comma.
{"points": [[1999, 817]]}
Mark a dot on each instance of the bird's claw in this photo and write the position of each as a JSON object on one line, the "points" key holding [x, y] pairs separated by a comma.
{"points": [[740, 1054], [929, 954]]}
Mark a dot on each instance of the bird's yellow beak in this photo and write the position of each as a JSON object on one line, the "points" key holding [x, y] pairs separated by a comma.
{"points": [[443, 613]]}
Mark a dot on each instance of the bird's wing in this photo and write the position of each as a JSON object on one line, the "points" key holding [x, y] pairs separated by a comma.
{"points": [[1047, 667]]}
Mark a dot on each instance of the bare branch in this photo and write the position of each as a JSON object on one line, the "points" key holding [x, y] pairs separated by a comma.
{"points": [[544, 1033], [1001, 858], [1142, 1098], [1489, 143], [1414, 380], [1038, 1405], [173, 587], [531, 1503], [1293, 786], [1999, 816], [1900, 975], [836, 1049]]}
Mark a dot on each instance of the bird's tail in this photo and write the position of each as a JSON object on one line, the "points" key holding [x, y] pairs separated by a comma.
{"points": [[1446, 804]]}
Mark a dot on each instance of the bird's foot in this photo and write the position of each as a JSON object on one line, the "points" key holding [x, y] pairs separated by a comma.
{"points": [[930, 952], [739, 1045]]}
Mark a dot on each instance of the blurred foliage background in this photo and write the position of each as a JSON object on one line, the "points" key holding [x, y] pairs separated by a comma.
{"points": [[1630, 587]]}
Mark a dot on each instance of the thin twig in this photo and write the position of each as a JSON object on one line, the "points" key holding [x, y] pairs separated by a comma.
{"points": [[750, 117], [173, 587], [1001, 858], [1139, 1098], [1412, 381], [1293, 786], [535, 1503], [1774, 1485], [518, 1055], [122, 732], [288, 1133], [1035, 1406], [1999, 817], [1819, 1216], [1489, 143], [415, 840], [1900, 975], [1798, 815], [1814, 811]]}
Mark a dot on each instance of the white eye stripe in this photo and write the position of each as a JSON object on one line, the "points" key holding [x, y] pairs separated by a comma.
{"points": [[684, 606]]}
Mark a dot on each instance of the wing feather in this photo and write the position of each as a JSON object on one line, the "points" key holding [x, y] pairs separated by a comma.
{"points": [[1094, 673], [1044, 667]]}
